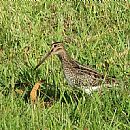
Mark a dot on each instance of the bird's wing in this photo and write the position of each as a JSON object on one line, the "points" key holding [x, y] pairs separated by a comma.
{"points": [[96, 77], [85, 69]]}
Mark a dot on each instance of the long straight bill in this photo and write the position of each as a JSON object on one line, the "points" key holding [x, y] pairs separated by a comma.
{"points": [[43, 59]]}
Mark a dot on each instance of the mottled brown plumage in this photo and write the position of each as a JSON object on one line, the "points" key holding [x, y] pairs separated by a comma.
{"points": [[76, 74]]}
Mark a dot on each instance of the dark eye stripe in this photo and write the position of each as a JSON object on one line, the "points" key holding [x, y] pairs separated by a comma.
{"points": [[58, 49]]}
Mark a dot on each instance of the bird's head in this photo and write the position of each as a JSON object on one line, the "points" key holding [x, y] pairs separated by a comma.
{"points": [[56, 48]]}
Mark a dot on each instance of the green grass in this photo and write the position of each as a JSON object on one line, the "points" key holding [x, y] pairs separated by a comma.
{"points": [[94, 33]]}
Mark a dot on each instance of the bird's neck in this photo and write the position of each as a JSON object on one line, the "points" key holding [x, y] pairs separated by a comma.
{"points": [[64, 57]]}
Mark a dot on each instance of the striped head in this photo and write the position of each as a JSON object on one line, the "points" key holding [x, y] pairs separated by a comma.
{"points": [[56, 48]]}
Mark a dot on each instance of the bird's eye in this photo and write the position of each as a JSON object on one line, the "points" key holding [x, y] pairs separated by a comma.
{"points": [[55, 45]]}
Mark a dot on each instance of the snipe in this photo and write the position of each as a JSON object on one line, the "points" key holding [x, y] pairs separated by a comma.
{"points": [[76, 74]]}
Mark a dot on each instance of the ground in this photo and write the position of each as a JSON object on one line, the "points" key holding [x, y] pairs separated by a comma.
{"points": [[95, 33]]}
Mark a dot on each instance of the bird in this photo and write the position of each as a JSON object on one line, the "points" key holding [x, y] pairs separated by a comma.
{"points": [[77, 75]]}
